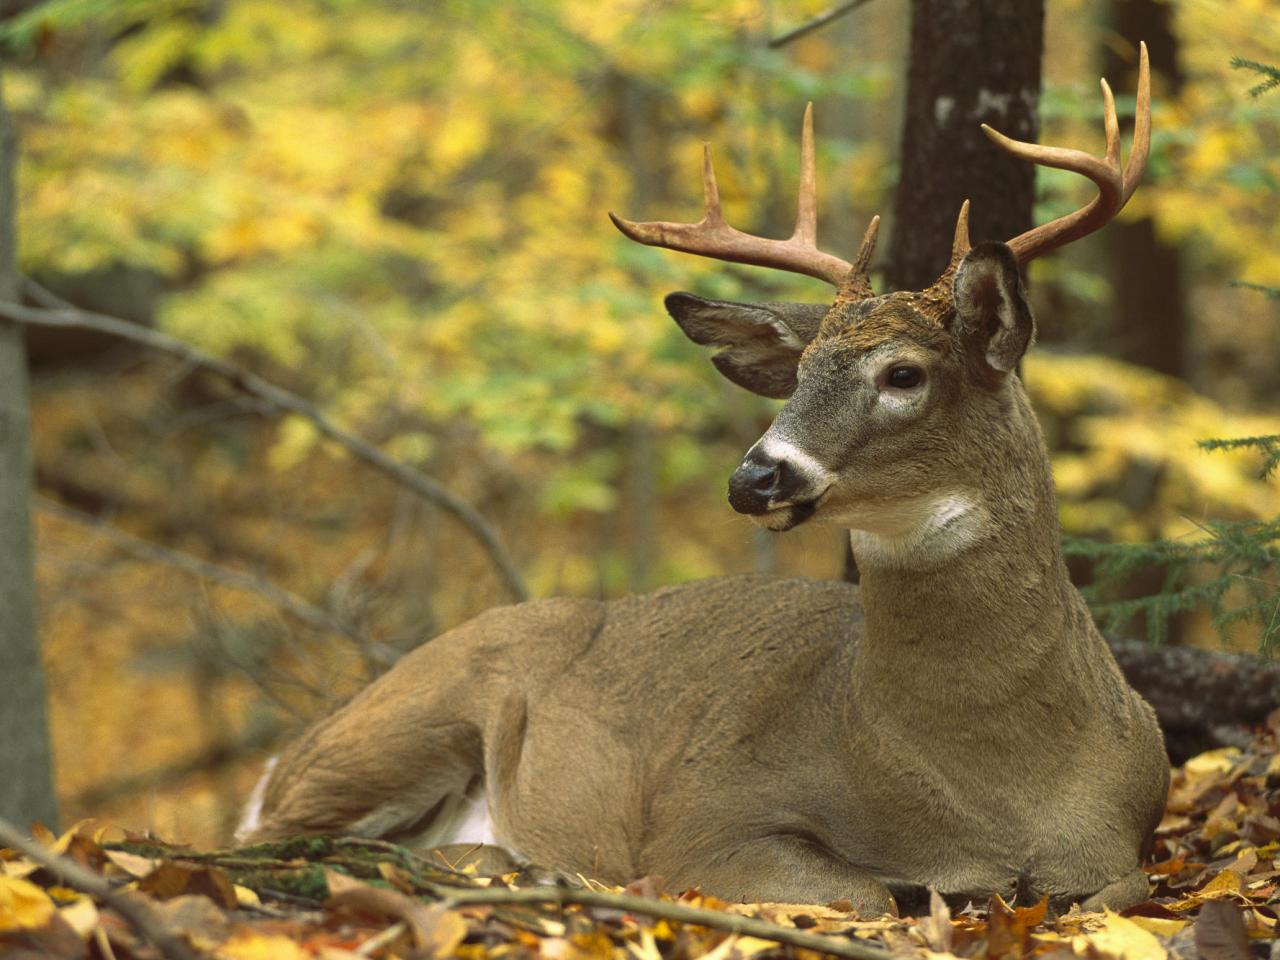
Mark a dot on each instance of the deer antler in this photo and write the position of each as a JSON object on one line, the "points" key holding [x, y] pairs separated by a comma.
{"points": [[1114, 185], [713, 237]]}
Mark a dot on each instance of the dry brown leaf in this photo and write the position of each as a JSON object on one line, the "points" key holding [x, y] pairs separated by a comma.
{"points": [[195, 917], [444, 931], [936, 927], [1227, 883], [1220, 932], [131, 863], [397, 876], [172, 879], [435, 930]]}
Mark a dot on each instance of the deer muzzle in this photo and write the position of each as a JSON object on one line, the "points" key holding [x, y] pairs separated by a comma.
{"points": [[763, 483]]}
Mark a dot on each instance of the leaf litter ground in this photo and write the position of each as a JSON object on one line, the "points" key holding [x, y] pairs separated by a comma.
{"points": [[1215, 872]]}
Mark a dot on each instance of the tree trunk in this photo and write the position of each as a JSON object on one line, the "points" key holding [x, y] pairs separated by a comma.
{"points": [[972, 62], [1149, 308], [639, 129], [26, 781]]}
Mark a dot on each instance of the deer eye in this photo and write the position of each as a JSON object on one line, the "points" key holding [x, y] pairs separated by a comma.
{"points": [[904, 376]]}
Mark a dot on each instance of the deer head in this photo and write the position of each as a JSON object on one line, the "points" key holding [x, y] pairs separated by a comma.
{"points": [[896, 403]]}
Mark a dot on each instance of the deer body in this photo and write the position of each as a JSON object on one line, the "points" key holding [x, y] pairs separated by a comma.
{"points": [[955, 722], [771, 739]]}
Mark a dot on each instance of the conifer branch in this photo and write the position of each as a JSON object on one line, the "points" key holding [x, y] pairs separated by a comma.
{"points": [[1270, 75]]}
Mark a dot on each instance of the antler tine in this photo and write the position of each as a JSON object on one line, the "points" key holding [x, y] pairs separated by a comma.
{"points": [[862, 262], [1137, 164], [1110, 125], [960, 242], [710, 190], [1115, 185], [807, 203], [713, 237]]}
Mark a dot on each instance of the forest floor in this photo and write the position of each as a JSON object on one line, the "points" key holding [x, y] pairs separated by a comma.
{"points": [[1215, 873]]}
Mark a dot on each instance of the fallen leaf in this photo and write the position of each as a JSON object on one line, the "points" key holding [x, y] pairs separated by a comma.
{"points": [[1220, 932], [445, 930], [197, 918], [1226, 883], [1213, 762], [436, 931], [397, 876], [172, 879], [131, 863], [18, 867], [1124, 938], [647, 886], [248, 945], [1246, 860], [1008, 928], [23, 905], [1160, 926], [936, 927], [246, 897], [1259, 925], [81, 916]]}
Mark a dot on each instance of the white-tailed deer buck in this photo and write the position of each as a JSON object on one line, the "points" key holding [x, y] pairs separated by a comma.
{"points": [[956, 722]]}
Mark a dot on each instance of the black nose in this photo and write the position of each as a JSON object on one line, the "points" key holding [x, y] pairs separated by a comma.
{"points": [[759, 481]]}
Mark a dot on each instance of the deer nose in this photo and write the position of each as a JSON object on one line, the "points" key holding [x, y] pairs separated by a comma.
{"points": [[760, 481]]}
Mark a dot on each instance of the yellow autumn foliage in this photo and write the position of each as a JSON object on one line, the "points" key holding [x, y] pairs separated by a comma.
{"points": [[23, 905]]}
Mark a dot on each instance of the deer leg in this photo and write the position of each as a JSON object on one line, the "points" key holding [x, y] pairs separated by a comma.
{"points": [[1130, 889], [411, 783], [794, 870]]}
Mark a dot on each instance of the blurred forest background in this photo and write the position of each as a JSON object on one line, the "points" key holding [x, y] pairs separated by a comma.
{"points": [[397, 210]]}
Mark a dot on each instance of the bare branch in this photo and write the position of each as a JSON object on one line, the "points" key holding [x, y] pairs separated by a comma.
{"points": [[280, 399], [290, 603], [677, 912], [817, 23], [133, 907]]}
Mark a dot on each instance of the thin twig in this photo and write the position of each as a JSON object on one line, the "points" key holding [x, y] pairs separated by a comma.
{"points": [[281, 399], [290, 603], [380, 940], [662, 910], [134, 909], [821, 20]]}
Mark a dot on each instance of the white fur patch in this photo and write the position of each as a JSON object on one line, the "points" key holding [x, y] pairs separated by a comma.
{"points": [[908, 532], [252, 818], [476, 825]]}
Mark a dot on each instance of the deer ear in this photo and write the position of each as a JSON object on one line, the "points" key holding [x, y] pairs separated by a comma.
{"points": [[761, 342], [992, 305]]}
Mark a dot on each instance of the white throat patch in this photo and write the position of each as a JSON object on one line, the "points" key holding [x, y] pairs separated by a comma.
{"points": [[909, 532]]}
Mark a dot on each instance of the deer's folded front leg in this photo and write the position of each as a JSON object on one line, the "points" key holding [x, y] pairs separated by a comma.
{"points": [[792, 869], [1132, 888]]}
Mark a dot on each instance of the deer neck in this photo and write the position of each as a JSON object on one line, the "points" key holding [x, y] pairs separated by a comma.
{"points": [[973, 590]]}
